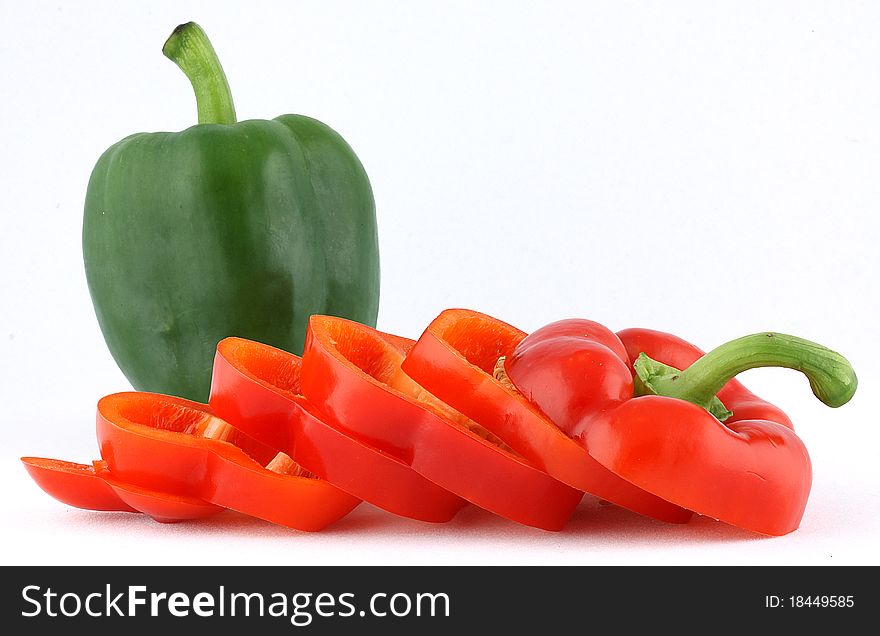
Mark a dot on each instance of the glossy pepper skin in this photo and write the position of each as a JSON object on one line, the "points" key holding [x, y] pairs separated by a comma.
{"points": [[654, 426], [225, 229]]}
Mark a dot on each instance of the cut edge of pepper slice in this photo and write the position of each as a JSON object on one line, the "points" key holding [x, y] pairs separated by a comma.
{"points": [[391, 350]]}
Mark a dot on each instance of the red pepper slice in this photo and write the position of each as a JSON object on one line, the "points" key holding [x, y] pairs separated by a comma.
{"points": [[93, 487], [256, 388], [177, 446], [74, 484], [352, 374], [455, 358], [751, 473]]}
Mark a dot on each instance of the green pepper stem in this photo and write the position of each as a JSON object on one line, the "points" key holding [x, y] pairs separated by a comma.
{"points": [[189, 48], [831, 376]]}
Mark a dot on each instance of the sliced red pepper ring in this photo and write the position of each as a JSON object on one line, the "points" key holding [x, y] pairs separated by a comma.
{"points": [[74, 484], [352, 374], [256, 388], [456, 358], [172, 445]]}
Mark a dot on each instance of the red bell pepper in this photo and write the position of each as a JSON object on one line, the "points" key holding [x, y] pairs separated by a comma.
{"points": [[256, 388], [92, 487], [177, 446], [661, 428], [456, 359], [352, 374]]}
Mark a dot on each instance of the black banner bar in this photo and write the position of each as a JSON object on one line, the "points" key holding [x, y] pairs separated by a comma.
{"points": [[316, 600]]}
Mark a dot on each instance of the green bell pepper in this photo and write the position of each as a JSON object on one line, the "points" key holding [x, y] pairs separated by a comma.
{"points": [[225, 229]]}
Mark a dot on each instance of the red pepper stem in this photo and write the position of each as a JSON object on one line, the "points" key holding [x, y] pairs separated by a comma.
{"points": [[189, 48], [831, 376]]}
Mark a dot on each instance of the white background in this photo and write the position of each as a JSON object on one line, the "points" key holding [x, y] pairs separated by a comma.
{"points": [[709, 169]]}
